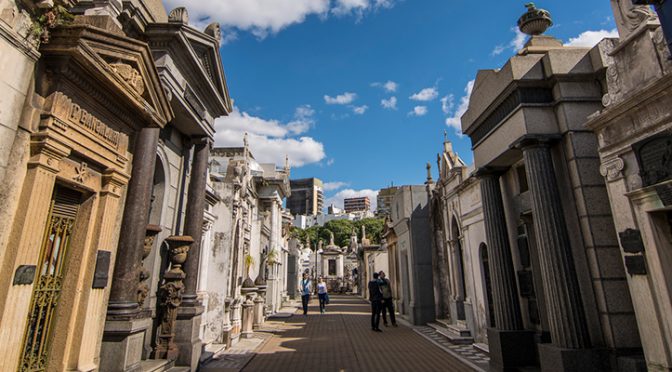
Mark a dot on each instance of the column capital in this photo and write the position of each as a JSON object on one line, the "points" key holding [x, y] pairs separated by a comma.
{"points": [[535, 140], [201, 140], [490, 171]]}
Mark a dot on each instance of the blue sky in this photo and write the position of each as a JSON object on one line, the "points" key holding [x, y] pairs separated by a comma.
{"points": [[308, 78]]}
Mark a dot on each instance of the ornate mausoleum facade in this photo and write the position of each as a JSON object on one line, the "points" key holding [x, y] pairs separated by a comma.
{"points": [[635, 147], [106, 135], [559, 288], [460, 261]]}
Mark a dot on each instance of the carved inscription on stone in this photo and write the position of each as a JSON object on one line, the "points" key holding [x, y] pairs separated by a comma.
{"points": [[71, 113]]}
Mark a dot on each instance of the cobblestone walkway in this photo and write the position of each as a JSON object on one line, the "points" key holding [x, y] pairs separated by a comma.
{"points": [[342, 340]]}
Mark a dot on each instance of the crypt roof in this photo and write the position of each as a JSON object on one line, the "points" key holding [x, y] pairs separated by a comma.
{"points": [[110, 67], [191, 66]]}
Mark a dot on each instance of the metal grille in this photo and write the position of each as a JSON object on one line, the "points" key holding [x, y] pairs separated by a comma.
{"points": [[47, 289]]}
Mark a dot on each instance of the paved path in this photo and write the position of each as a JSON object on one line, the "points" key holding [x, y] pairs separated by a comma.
{"points": [[342, 340]]}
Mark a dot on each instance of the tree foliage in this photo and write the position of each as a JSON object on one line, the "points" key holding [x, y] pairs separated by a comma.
{"points": [[374, 229], [342, 229]]}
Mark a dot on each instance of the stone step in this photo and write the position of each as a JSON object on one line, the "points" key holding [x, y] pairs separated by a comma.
{"points": [[459, 330], [453, 337], [156, 365], [179, 369], [444, 322], [484, 348]]}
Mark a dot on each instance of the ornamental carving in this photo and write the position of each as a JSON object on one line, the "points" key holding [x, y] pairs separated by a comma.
{"points": [[171, 297], [630, 16], [81, 172], [214, 30], [130, 75], [612, 169], [179, 15]]}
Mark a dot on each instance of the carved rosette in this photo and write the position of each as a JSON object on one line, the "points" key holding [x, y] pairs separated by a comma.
{"points": [[612, 168], [171, 296]]}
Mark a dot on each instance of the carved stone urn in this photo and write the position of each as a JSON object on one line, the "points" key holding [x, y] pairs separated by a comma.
{"points": [[535, 21], [171, 296]]}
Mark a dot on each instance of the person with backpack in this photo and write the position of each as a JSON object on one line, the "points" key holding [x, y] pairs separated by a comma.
{"points": [[388, 301], [306, 288], [376, 298]]}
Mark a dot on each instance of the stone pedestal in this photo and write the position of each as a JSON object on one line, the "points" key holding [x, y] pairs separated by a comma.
{"points": [[557, 359], [187, 328], [247, 318], [124, 339], [511, 349], [259, 313]]}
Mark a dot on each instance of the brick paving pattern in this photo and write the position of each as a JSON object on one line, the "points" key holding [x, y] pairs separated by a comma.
{"points": [[342, 340]]}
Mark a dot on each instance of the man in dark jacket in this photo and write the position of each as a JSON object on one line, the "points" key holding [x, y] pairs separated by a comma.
{"points": [[388, 301], [376, 298]]}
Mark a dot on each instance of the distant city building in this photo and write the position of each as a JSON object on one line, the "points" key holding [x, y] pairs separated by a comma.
{"points": [[384, 199], [357, 204], [303, 222], [307, 198]]}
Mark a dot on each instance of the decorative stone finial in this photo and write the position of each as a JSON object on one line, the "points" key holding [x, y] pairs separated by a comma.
{"points": [[429, 173], [246, 145], [214, 30], [179, 15], [535, 21]]}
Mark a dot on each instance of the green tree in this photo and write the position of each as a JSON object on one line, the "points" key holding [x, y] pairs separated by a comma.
{"points": [[374, 229], [342, 230]]}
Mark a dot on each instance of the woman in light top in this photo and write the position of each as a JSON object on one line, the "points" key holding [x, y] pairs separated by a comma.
{"points": [[322, 294]]}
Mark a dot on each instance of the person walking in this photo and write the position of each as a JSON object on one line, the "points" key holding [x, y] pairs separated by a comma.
{"points": [[376, 297], [306, 288], [322, 295], [388, 301]]}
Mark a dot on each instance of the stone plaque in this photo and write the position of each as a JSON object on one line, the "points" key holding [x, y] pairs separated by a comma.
{"points": [[100, 276], [631, 241], [636, 265], [654, 156], [525, 283], [25, 274]]}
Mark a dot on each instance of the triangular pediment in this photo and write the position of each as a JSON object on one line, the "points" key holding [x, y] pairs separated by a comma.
{"points": [[120, 66], [196, 55]]}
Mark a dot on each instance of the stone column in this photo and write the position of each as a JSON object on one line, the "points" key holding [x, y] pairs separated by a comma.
{"points": [[193, 225], [128, 263], [561, 288], [126, 323], [189, 314], [510, 345]]}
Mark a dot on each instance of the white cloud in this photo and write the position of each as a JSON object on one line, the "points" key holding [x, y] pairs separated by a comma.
{"points": [[271, 140], [338, 198], [517, 43], [447, 103], [591, 38], [358, 7], [389, 86], [427, 94], [341, 99], [333, 186], [360, 110], [418, 111], [390, 104], [330, 162], [263, 17], [455, 120]]}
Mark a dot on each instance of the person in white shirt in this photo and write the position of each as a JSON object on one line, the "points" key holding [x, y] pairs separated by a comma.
{"points": [[322, 294], [306, 288]]}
